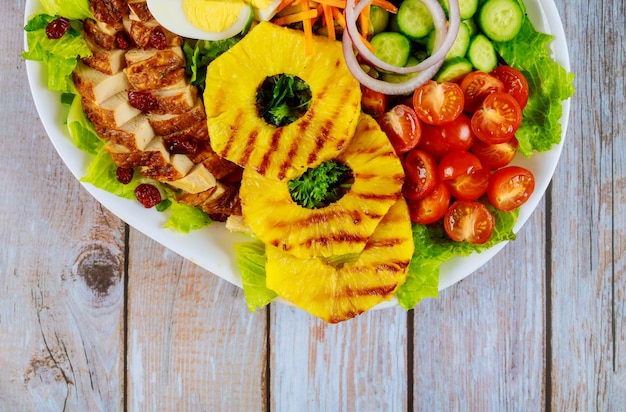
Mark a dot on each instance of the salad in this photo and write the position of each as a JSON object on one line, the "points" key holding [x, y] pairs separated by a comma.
{"points": [[432, 243]]}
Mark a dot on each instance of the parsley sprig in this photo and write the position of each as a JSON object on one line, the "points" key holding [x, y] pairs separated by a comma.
{"points": [[321, 186], [282, 99]]}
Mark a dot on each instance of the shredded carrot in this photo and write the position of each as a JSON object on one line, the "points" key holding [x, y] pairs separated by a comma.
{"points": [[283, 5], [341, 4], [296, 17], [364, 21], [386, 5], [330, 23], [367, 43], [308, 29], [339, 17]]}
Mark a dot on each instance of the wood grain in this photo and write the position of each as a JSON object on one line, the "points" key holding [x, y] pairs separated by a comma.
{"points": [[95, 316], [587, 228], [192, 344]]}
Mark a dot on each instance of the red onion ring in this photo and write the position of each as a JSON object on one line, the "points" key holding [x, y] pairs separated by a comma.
{"points": [[442, 46], [381, 86]]}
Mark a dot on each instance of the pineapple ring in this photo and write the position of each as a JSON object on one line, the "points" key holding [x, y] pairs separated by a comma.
{"points": [[342, 227], [240, 135], [337, 294]]}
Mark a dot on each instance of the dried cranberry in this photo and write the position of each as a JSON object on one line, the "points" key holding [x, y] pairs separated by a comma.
{"points": [[124, 175], [122, 40], [57, 28], [148, 195], [142, 100], [157, 39], [183, 145]]}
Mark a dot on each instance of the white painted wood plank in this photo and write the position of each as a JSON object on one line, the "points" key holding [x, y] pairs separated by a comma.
{"points": [[357, 365], [193, 345], [587, 363], [61, 263], [480, 345]]}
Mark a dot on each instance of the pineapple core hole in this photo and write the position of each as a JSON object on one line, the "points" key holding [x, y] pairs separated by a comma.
{"points": [[321, 186], [282, 99]]}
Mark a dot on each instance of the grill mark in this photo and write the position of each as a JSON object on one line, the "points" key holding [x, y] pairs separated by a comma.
{"points": [[272, 149], [322, 218], [382, 290], [320, 141], [233, 134], [335, 238], [384, 243], [293, 150], [376, 196], [245, 156], [336, 318]]}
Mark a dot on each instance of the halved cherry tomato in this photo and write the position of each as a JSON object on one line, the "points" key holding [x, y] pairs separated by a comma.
{"points": [[468, 221], [514, 82], [421, 174], [497, 119], [458, 133], [373, 102], [495, 156], [438, 103], [432, 141], [458, 163], [469, 186], [476, 86], [510, 187], [431, 208], [402, 127]]}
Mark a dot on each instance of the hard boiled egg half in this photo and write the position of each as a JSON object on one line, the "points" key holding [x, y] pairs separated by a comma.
{"points": [[210, 19]]}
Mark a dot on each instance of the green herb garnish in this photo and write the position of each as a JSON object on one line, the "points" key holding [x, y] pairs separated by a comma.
{"points": [[282, 99], [322, 185]]}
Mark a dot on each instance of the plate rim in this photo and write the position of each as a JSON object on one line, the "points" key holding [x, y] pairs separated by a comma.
{"points": [[214, 252]]}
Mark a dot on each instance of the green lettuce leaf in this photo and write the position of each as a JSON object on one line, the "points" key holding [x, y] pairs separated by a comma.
{"points": [[433, 247], [58, 56], [81, 129], [184, 218], [549, 85], [71, 9], [251, 262], [201, 53]]}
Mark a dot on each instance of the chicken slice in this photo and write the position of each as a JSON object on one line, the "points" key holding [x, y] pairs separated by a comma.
{"points": [[97, 86], [112, 113]]}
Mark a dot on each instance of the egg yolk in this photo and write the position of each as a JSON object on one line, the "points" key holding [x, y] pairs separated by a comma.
{"points": [[218, 15]]}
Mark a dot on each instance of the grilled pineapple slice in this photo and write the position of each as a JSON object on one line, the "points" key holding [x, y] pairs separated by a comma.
{"points": [[342, 227], [240, 134], [335, 294]]}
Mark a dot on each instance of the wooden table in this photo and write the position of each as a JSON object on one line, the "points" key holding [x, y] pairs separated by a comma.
{"points": [[95, 316]]}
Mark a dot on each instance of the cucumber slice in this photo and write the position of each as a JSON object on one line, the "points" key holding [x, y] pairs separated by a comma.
{"points": [[500, 20], [471, 26], [414, 19], [467, 8], [482, 54], [453, 70], [391, 47], [459, 47], [400, 78], [379, 18]]}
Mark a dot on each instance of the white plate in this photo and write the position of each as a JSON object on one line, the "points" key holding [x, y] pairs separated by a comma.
{"points": [[212, 247]]}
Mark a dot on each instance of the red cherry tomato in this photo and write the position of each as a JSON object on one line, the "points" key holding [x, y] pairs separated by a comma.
{"points": [[458, 133], [432, 141], [421, 174], [469, 186], [438, 103], [476, 86], [495, 156], [373, 102], [514, 82], [497, 119], [510, 187], [431, 208], [458, 163], [402, 127], [468, 221]]}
